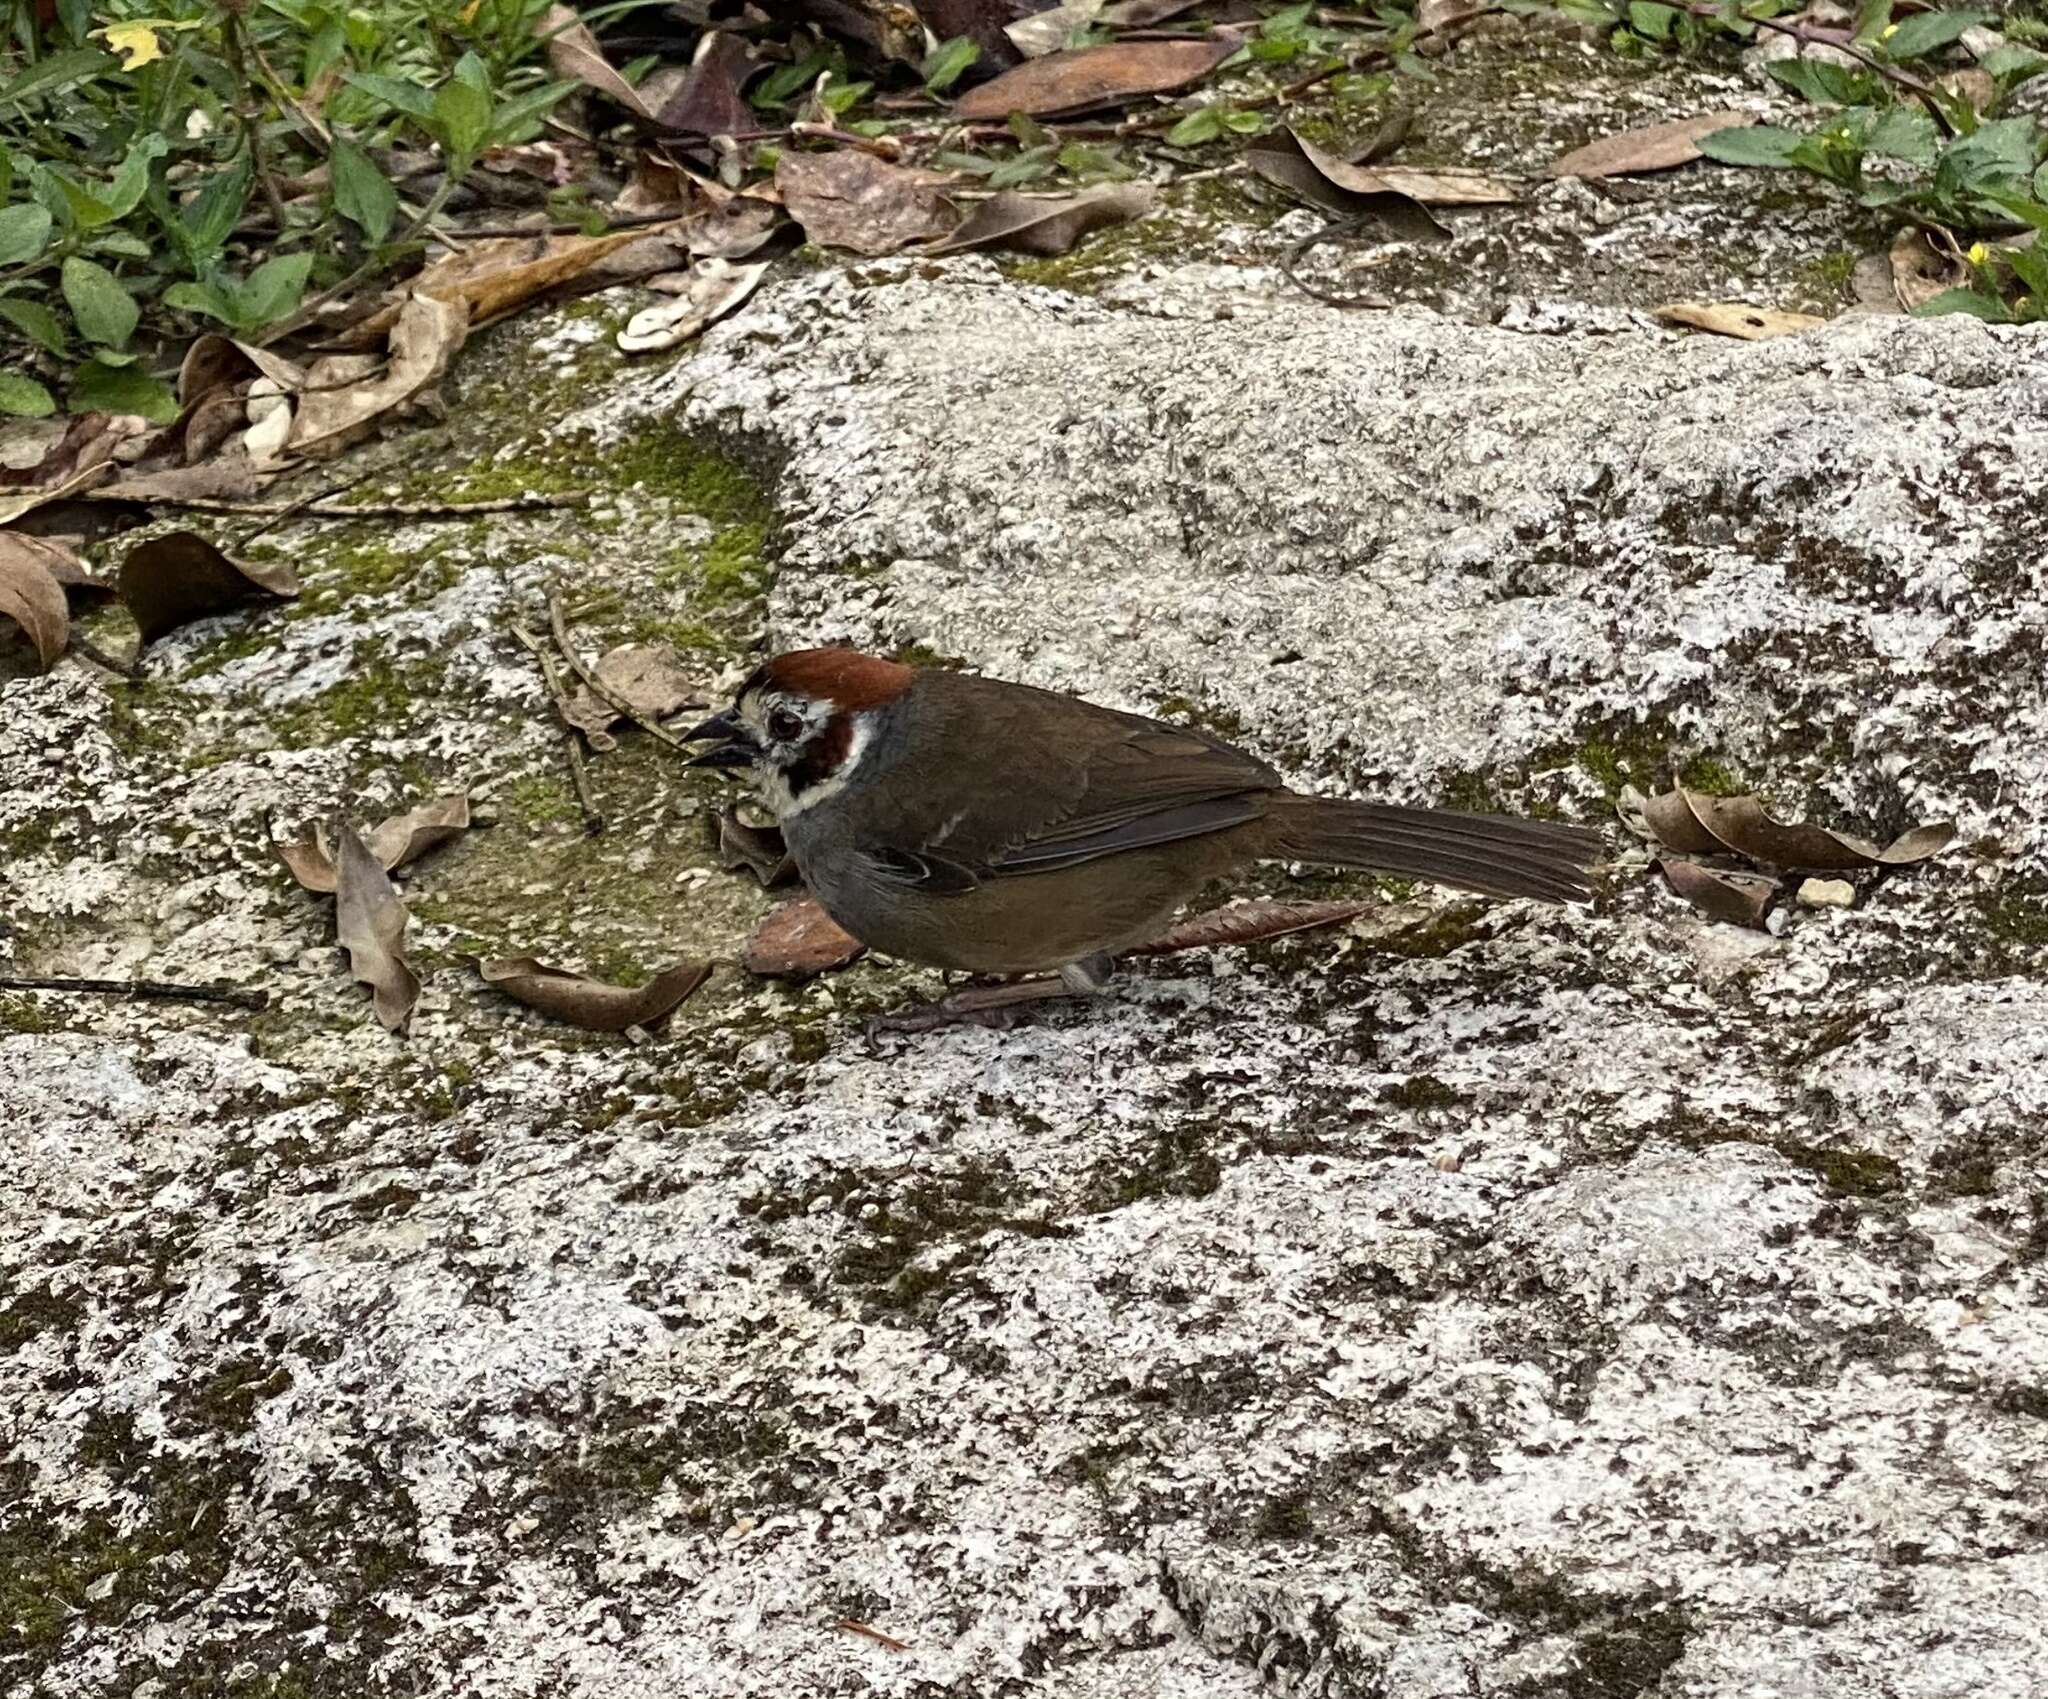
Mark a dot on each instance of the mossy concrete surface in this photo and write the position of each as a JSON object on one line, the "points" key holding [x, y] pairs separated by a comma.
{"points": [[1483, 1301]]}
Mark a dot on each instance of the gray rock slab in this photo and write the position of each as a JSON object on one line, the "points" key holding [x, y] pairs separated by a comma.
{"points": [[1486, 1301]]}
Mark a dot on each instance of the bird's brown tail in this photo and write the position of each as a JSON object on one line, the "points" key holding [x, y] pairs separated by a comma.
{"points": [[1499, 854]]}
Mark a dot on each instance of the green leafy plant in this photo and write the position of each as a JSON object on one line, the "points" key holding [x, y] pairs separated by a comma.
{"points": [[167, 164], [1890, 135]]}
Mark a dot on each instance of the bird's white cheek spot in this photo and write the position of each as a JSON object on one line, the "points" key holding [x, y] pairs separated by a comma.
{"points": [[772, 783]]}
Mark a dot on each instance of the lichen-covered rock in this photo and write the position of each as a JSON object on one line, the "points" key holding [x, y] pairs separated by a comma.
{"points": [[1485, 1301]]}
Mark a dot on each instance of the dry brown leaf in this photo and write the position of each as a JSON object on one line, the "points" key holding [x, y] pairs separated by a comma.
{"points": [[215, 362], [309, 860], [760, 849], [1741, 898], [712, 289], [1089, 77], [1973, 85], [1654, 147], [404, 838], [32, 598], [647, 678], [1449, 187], [591, 1003], [62, 562], [424, 339], [574, 56], [499, 276], [25, 502], [800, 941], [370, 923], [709, 103], [1921, 272], [1246, 923], [1737, 319], [1049, 31], [854, 201], [1142, 14], [178, 577], [1697, 824], [1046, 224], [396, 842], [1326, 182]]}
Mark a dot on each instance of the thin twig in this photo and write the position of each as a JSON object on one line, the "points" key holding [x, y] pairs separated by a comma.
{"points": [[130, 668], [309, 311], [603, 691], [309, 124], [251, 130], [147, 990], [579, 774], [868, 1631], [1335, 230], [323, 508], [292, 508]]}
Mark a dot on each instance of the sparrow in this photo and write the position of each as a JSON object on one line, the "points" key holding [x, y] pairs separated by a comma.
{"points": [[996, 829]]}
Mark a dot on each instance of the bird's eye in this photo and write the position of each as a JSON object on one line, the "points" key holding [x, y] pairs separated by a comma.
{"points": [[784, 725]]}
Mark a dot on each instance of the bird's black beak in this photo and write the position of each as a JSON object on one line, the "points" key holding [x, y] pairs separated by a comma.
{"points": [[733, 748]]}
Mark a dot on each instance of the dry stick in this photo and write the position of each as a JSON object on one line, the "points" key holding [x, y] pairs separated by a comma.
{"points": [[149, 990], [251, 130], [579, 775], [603, 691], [324, 507], [298, 506], [1808, 36]]}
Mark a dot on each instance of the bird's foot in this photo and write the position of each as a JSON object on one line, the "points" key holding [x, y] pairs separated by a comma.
{"points": [[999, 1006]]}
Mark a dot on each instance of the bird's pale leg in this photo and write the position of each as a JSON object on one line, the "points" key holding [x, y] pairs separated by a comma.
{"points": [[999, 1005]]}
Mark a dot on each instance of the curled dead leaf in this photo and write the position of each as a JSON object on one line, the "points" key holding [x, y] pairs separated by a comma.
{"points": [[370, 923], [21, 503], [1306, 173], [394, 843], [63, 563], [709, 102], [1046, 224], [1087, 77], [574, 56], [865, 205], [1697, 824], [760, 849], [347, 396], [1246, 923], [1339, 186], [1047, 32], [1737, 319], [1920, 271], [800, 941], [1653, 147], [499, 276], [32, 598], [712, 289], [216, 362], [590, 1003], [1744, 899], [178, 577]]}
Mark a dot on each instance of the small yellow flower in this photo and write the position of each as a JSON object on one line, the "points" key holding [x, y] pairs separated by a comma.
{"points": [[1978, 253], [136, 43], [1888, 32]]}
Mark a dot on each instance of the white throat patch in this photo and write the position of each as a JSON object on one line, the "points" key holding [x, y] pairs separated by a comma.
{"points": [[772, 783]]}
